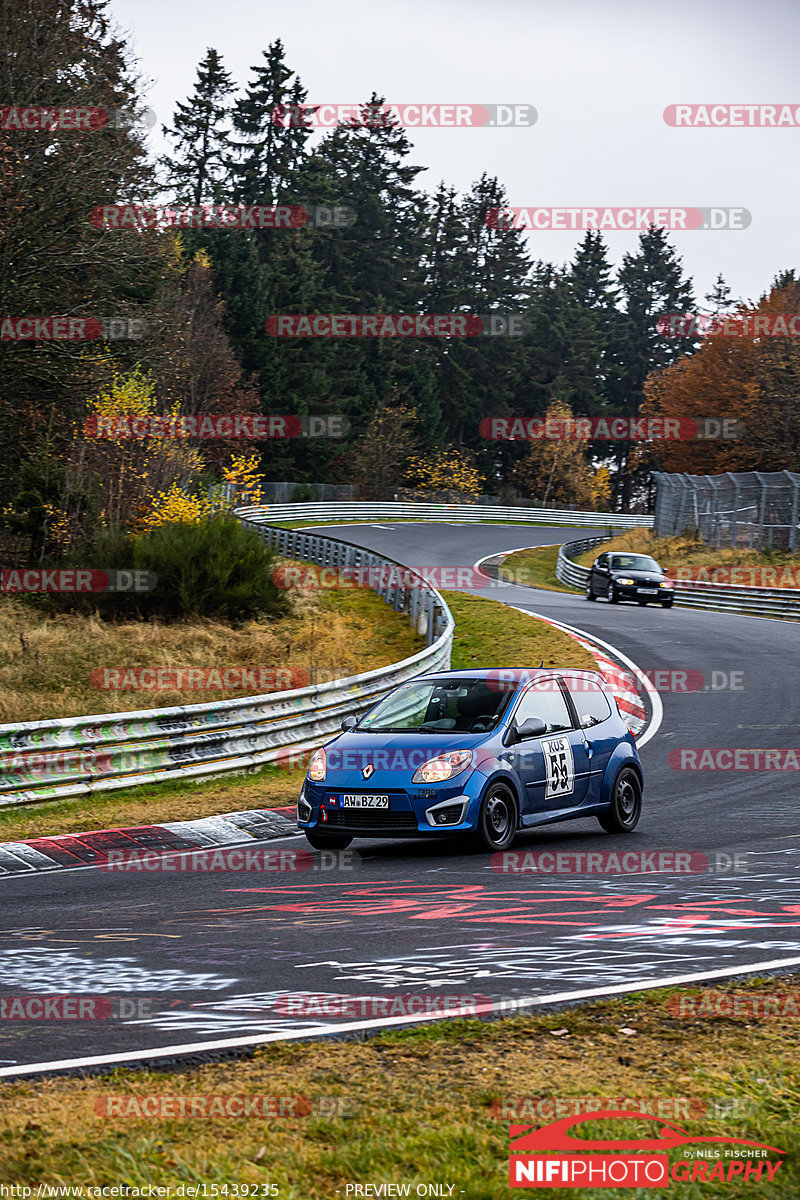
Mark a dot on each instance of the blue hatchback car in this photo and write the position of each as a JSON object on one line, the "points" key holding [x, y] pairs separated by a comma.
{"points": [[481, 752]]}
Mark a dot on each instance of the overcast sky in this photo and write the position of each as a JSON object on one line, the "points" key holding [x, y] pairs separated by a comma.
{"points": [[598, 74]]}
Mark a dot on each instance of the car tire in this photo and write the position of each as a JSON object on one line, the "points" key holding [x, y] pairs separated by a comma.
{"points": [[626, 803], [668, 603], [328, 841], [613, 594], [589, 593], [498, 818]]}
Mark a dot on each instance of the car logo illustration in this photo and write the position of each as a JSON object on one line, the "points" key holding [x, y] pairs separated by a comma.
{"points": [[556, 1136], [368, 770]]}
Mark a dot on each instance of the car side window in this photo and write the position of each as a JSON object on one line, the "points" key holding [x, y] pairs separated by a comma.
{"points": [[544, 700], [590, 702]]}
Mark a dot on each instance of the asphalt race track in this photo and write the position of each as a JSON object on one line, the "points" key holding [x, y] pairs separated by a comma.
{"points": [[203, 958]]}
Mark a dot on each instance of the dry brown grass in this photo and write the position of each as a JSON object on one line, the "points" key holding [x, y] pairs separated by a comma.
{"points": [[46, 662]]}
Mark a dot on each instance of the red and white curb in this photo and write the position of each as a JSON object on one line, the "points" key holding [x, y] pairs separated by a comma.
{"points": [[75, 850], [622, 684], [628, 685], [622, 679]]}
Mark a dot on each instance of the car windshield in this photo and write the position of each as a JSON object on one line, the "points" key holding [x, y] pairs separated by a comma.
{"points": [[441, 705], [634, 562]]}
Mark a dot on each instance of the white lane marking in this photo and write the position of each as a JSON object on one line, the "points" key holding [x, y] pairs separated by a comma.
{"points": [[655, 699], [288, 1035]]}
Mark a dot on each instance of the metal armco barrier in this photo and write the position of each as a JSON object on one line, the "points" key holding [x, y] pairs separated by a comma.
{"points": [[720, 597], [45, 760], [367, 510]]}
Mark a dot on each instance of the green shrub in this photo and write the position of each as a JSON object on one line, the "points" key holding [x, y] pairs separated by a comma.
{"points": [[217, 569]]}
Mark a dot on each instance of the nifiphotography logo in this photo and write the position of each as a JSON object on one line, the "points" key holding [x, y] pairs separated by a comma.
{"points": [[551, 1157]]}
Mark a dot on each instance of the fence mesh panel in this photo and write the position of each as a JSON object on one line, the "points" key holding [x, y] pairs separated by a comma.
{"points": [[758, 509]]}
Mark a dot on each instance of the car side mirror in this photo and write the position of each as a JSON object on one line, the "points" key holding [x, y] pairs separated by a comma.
{"points": [[532, 728], [349, 723]]}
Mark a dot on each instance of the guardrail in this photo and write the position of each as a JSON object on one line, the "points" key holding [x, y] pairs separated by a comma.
{"points": [[570, 572], [46, 760], [783, 603], [367, 510]]}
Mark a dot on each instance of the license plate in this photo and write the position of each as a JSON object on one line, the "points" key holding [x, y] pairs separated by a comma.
{"points": [[351, 801], [648, 591]]}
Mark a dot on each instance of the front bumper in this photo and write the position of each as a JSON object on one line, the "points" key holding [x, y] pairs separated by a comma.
{"points": [[412, 810], [643, 591]]}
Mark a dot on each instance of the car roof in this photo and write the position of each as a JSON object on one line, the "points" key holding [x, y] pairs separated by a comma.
{"points": [[524, 674]]}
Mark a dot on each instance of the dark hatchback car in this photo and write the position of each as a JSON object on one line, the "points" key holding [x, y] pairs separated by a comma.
{"points": [[629, 577]]}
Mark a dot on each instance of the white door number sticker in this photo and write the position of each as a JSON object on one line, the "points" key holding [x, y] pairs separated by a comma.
{"points": [[559, 765]]}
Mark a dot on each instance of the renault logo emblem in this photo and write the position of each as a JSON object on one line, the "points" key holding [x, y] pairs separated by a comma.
{"points": [[368, 770]]}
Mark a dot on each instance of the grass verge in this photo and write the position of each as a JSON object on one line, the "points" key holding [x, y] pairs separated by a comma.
{"points": [[533, 568], [426, 1105], [487, 634], [490, 634]]}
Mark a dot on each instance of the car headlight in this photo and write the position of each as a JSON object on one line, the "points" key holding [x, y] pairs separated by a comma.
{"points": [[625, 581], [444, 766], [667, 583], [318, 766]]}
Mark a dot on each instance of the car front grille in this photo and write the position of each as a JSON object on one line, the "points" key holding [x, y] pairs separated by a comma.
{"points": [[371, 818]]}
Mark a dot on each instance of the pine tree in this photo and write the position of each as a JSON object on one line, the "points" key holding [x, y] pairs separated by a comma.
{"points": [[652, 284], [197, 169], [476, 268], [593, 326], [53, 260], [719, 298], [270, 144]]}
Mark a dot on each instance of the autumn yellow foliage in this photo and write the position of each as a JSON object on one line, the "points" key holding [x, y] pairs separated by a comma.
{"points": [[451, 468]]}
